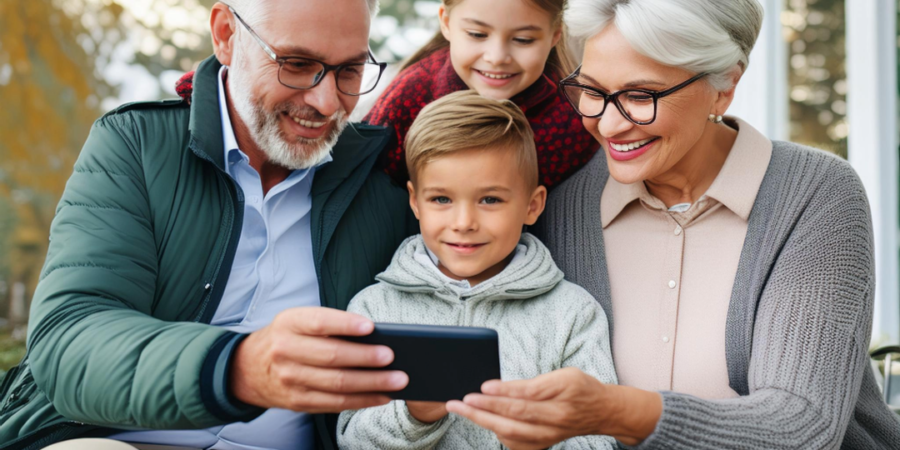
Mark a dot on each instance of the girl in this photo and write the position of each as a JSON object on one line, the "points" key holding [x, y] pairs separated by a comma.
{"points": [[503, 49]]}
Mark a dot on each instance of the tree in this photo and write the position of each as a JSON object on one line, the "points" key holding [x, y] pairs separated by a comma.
{"points": [[50, 91], [815, 32]]}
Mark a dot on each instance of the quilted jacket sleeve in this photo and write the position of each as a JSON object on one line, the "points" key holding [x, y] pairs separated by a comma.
{"points": [[94, 348]]}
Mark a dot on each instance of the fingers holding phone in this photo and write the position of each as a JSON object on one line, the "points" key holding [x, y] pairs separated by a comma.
{"points": [[299, 363]]}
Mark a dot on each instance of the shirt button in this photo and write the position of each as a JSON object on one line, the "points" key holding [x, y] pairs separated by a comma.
{"points": [[677, 230], [665, 339], [672, 284], [254, 199]]}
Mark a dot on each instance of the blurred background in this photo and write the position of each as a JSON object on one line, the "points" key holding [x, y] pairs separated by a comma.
{"points": [[64, 63]]}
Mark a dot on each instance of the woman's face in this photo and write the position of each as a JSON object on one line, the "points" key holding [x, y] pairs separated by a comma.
{"points": [[610, 64], [498, 55]]}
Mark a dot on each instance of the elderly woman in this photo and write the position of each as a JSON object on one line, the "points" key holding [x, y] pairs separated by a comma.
{"points": [[737, 272]]}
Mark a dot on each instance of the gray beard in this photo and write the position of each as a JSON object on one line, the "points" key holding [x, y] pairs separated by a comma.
{"points": [[292, 153]]}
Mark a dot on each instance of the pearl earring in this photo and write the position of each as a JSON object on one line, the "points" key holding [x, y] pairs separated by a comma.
{"points": [[715, 119]]}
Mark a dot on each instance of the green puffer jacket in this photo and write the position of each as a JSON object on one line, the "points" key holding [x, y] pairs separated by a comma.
{"points": [[141, 249]]}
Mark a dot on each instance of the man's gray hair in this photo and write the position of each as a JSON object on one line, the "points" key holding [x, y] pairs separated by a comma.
{"points": [[253, 11], [712, 36]]}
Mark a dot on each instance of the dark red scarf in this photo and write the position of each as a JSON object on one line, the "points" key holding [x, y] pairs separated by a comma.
{"points": [[563, 145]]}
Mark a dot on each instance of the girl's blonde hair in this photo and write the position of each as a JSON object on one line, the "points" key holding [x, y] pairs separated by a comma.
{"points": [[560, 59], [464, 120]]}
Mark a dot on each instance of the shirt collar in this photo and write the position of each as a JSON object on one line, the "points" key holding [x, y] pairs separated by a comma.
{"points": [[735, 186], [745, 167], [616, 196], [232, 152]]}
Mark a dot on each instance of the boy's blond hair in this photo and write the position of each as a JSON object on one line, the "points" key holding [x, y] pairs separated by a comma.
{"points": [[465, 120]]}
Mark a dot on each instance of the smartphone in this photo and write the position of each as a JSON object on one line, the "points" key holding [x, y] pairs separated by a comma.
{"points": [[443, 363]]}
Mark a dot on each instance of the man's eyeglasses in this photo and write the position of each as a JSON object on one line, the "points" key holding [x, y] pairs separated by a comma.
{"points": [[637, 105], [306, 73]]}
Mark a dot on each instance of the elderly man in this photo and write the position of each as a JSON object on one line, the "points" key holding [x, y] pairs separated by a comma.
{"points": [[202, 252]]}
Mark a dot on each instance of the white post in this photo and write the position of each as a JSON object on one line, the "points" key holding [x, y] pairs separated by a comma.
{"points": [[872, 143], [761, 98]]}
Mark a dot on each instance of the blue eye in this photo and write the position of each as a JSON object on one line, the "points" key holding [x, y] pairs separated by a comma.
{"points": [[441, 200], [491, 200]]}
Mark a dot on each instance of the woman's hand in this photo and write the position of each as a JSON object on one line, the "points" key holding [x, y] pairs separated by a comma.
{"points": [[427, 412], [538, 413]]}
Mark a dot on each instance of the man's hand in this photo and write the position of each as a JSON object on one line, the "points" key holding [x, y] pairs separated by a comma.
{"points": [[297, 363], [427, 412]]}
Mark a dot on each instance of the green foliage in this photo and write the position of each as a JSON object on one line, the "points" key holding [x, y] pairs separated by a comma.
{"points": [[11, 351], [7, 225]]}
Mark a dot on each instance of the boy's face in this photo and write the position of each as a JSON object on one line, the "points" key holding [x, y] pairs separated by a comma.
{"points": [[471, 206]]}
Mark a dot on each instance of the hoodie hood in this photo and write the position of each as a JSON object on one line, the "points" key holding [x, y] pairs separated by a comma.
{"points": [[531, 272]]}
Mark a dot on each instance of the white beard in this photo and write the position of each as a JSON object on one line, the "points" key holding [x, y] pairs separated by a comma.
{"points": [[294, 154]]}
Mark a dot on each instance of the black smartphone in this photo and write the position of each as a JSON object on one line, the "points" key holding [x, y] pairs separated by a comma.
{"points": [[443, 363]]}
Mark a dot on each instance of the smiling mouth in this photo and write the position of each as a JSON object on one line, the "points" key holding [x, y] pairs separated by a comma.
{"points": [[631, 146], [307, 123], [464, 247], [496, 76]]}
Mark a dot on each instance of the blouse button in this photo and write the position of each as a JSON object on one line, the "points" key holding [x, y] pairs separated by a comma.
{"points": [[665, 339], [672, 284], [677, 230]]}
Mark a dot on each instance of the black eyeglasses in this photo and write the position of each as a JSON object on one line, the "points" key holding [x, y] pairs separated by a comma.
{"points": [[306, 73], [637, 105]]}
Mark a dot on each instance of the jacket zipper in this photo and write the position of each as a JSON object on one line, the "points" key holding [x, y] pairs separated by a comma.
{"points": [[204, 314]]}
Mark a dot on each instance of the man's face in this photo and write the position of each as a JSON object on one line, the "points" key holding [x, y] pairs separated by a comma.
{"points": [[296, 128]]}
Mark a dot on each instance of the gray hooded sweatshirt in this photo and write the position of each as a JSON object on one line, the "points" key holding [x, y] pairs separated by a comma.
{"points": [[544, 323]]}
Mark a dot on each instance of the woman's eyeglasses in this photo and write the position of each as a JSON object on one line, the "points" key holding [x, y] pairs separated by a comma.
{"points": [[637, 105]]}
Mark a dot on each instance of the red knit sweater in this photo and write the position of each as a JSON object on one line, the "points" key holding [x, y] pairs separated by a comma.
{"points": [[563, 145]]}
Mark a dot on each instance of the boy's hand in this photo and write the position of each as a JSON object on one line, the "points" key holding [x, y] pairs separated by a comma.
{"points": [[427, 412]]}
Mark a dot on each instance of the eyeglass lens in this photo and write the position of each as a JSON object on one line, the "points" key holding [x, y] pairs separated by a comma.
{"points": [[637, 105], [351, 79]]}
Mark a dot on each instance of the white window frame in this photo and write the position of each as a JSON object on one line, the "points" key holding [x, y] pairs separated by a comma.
{"points": [[762, 100], [872, 143]]}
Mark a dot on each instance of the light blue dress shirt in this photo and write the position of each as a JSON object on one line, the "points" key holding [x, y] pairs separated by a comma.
{"points": [[273, 270]]}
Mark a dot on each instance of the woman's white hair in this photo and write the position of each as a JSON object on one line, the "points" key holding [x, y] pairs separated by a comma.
{"points": [[712, 36]]}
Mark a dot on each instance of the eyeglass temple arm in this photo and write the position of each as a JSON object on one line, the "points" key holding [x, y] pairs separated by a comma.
{"points": [[675, 88], [259, 40]]}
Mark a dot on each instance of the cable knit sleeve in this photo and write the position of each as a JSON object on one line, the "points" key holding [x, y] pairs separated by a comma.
{"points": [[588, 349], [810, 336]]}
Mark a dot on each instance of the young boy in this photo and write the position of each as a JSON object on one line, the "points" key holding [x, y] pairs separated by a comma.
{"points": [[474, 184]]}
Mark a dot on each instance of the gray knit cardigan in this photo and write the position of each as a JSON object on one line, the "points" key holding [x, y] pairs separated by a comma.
{"points": [[799, 319]]}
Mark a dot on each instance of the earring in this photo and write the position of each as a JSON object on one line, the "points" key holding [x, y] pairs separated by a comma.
{"points": [[715, 119]]}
